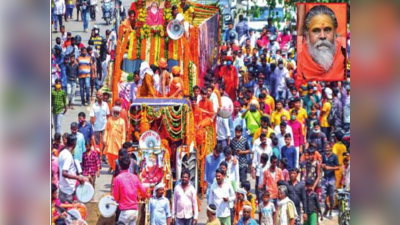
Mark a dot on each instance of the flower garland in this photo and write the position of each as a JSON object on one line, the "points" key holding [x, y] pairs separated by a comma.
{"points": [[145, 31], [122, 38], [186, 59], [191, 78], [133, 42]]}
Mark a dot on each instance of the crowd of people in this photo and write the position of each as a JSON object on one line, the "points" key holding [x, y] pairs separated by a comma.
{"points": [[288, 137]]}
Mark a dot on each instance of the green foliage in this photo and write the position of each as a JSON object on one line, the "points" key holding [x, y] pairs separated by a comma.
{"points": [[289, 5]]}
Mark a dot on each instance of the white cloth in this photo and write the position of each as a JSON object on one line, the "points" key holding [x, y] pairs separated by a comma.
{"points": [[347, 177], [145, 68], [216, 196], [66, 162], [101, 113], [214, 100], [157, 85], [258, 151], [233, 171], [281, 75], [59, 7], [283, 203], [223, 131], [261, 178], [187, 201], [281, 138], [289, 130], [346, 111], [134, 90], [93, 2], [128, 217], [274, 47]]}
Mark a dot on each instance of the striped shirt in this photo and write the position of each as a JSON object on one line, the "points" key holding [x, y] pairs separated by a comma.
{"points": [[84, 63]]}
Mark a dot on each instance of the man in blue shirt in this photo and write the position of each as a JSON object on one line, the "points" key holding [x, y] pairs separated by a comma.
{"points": [[242, 28], [289, 152], [80, 142], [86, 128], [212, 164], [271, 27], [227, 32], [63, 73], [160, 213], [330, 163]]}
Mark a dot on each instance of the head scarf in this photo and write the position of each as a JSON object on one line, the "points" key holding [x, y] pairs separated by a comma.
{"points": [[242, 191], [158, 186], [162, 63], [145, 68], [116, 109], [176, 70]]}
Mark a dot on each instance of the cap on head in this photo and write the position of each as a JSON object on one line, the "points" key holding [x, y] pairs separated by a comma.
{"points": [[176, 70]]}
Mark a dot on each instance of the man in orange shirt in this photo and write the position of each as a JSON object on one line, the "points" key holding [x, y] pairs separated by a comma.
{"points": [[146, 75], [271, 178], [206, 105], [230, 76], [176, 85]]}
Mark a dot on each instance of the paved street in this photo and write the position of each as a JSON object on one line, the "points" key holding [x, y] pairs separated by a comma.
{"points": [[103, 183]]}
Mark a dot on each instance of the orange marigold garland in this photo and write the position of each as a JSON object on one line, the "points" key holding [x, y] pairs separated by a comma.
{"points": [[123, 38], [186, 59], [152, 49]]}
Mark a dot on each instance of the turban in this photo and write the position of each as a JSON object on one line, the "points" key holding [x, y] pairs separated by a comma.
{"points": [[229, 58], [241, 191], [162, 63], [158, 186], [224, 48], [116, 109], [247, 206], [235, 48], [236, 104], [176, 70]]}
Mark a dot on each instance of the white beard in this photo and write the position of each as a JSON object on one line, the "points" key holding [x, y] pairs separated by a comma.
{"points": [[154, 11], [323, 55]]}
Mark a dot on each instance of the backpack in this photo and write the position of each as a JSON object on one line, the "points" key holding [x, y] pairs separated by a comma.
{"points": [[332, 115]]}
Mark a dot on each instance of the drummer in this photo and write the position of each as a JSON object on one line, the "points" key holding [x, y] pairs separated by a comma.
{"points": [[125, 192], [68, 171]]}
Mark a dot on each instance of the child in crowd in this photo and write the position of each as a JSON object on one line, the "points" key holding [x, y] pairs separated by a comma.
{"points": [[313, 208], [285, 172], [249, 195], [266, 210], [57, 206], [90, 164]]}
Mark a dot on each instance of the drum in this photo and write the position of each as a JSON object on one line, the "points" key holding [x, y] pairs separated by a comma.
{"points": [[74, 213], [107, 206], [226, 108], [82, 210], [85, 192]]}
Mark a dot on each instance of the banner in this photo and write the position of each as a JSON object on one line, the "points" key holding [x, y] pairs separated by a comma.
{"points": [[208, 46]]}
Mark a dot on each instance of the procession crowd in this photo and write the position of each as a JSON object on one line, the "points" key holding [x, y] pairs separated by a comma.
{"points": [[287, 136]]}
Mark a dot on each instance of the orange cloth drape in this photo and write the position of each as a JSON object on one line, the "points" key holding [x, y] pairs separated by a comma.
{"points": [[206, 105], [310, 70], [114, 136], [230, 80]]}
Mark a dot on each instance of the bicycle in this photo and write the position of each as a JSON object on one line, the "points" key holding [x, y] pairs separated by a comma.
{"points": [[344, 208]]}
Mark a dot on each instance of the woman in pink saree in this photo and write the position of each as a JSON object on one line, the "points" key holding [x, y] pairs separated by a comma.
{"points": [[154, 15]]}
